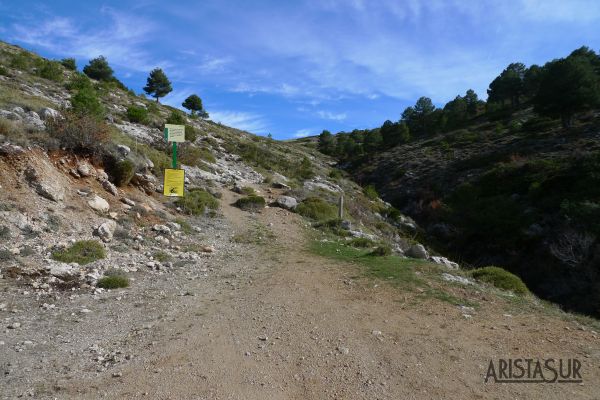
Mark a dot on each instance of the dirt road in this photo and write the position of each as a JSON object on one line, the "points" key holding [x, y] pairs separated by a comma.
{"points": [[278, 322]]}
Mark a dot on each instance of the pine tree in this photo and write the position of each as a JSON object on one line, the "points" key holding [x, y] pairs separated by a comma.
{"points": [[194, 104], [157, 85], [99, 69]]}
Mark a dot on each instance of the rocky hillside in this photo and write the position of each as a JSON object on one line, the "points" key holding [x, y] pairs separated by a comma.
{"points": [[519, 191]]}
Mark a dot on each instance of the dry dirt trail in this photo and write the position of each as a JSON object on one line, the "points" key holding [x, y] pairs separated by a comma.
{"points": [[297, 326]]}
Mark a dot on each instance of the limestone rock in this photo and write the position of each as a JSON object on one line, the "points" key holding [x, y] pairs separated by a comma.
{"points": [[445, 262], [49, 113], [106, 230], [44, 187], [287, 202], [110, 188], [97, 203], [417, 251]]}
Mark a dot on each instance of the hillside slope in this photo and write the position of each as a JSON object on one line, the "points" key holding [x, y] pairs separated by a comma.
{"points": [[520, 193]]}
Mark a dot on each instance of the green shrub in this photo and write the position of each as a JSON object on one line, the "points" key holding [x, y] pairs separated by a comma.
{"points": [[81, 252], [78, 82], [4, 232], [3, 71], [362, 243], [370, 192], [122, 172], [197, 201], [305, 169], [190, 133], [317, 209], [86, 102], [500, 278], [381, 251], [176, 118], [250, 203], [335, 174], [69, 63], [6, 255], [113, 282], [193, 155], [248, 191], [137, 115], [21, 61], [52, 70], [162, 256]]}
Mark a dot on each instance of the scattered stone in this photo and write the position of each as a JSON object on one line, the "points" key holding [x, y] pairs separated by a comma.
{"points": [[97, 203], [417, 251], [102, 176], [280, 185], [207, 249], [174, 226], [127, 201], [124, 150], [8, 149], [343, 350], [61, 270], [110, 188], [455, 278], [163, 229], [117, 374], [107, 230], [49, 113], [263, 338], [84, 169], [445, 262], [287, 202], [14, 325]]}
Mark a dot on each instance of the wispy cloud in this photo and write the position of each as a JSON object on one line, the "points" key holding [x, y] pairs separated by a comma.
{"points": [[304, 133], [332, 116], [121, 41], [246, 121]]}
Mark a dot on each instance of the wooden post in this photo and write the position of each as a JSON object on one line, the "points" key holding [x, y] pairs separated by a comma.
{"points": [[341, 207]]}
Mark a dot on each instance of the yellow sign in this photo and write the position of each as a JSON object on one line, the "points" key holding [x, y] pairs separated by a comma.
{"points": [[174, 182], [175, 133]]}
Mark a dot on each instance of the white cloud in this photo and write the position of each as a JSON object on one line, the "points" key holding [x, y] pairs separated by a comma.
{"points": [[246, 121], [121, 41], [332, 116], [304, 133]]}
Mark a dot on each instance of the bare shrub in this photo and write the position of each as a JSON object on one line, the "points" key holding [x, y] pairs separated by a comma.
{"points": [[572, 247], [80, 133]]}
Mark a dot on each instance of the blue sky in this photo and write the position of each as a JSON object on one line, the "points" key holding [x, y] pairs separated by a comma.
{"points": [[292, 68]]}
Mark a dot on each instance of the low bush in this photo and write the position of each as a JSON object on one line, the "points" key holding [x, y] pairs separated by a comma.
{"points": [[3, 71], [122, 172], [381, 251], [317, 209], [52, 70], [371, 192], [86, 102], [193, 155], [69, 63], [138, 115], [190, 133], [251, 203], [176, 118], [113, 282], [539, 124], [500, 278], [78, 82], [81, 252], [197, 201], [80, 133], [21, 61], [248, 191], [162, 256]]}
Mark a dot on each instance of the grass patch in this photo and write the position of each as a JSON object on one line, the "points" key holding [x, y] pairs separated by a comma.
{"points": [[250, 203], [362, 243], [248, 191], [257, 234], [449, 298], [186, 227], [317, 209], [501, 279], [81, 252], [162, 256], [393, 269], [113, 282], [381, 251], [197, 201]]}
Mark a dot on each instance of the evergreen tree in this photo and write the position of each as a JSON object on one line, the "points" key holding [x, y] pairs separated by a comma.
{"points": [[157, 84], [472, 102], [194, 104], [99, 69], [326, 142], [568, 86]]}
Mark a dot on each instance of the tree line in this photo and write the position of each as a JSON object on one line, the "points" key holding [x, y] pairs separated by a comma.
{"points": [[559, 89]]}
